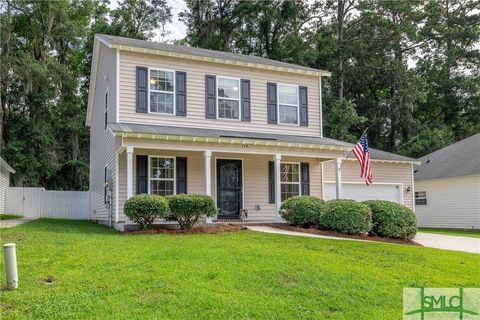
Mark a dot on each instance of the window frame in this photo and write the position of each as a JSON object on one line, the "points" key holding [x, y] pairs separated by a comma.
{"points": [[299, 183], [105, 184], [239, 97], [421, 198], [161, 91], [297, 87], [160, 179], [105, 111]]}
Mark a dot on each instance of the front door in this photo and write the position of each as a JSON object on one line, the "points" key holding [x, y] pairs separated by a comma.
{"points": [[229, 187]]}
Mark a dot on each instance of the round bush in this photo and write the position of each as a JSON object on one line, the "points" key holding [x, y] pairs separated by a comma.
{"points": [[347, 216], [302, 211], [392, 220], [143, 209], [186, 209]]}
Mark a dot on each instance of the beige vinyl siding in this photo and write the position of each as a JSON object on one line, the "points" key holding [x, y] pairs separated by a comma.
{"points": [[451, 203], [4, 182], [103, 145], [196, 72], [383, 172], [255, 178]]}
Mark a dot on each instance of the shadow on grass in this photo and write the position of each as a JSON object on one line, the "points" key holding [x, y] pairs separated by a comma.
{"points": [[64, 226]]}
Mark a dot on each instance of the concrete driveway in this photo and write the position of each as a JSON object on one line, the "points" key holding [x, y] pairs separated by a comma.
{"points": [[456, 243], [13, 222]]}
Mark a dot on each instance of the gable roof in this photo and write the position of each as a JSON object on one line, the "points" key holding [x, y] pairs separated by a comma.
{"points": [[456, 160], [133, 130], [4, 165]]}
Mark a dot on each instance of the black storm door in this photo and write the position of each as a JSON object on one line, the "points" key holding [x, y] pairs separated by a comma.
{"points": [[229, 187]]}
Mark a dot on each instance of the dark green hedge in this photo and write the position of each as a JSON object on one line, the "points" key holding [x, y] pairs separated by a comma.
{"points": [[392, 220], [143, 209], [186, 209], [302, 211], [347, 216]]}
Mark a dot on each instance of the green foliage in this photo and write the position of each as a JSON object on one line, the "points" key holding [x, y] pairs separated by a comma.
{"points": [[347, 216], [6, 216], [340, 117], [392, 220], [302, 211], [143, 209], [186, 209]]}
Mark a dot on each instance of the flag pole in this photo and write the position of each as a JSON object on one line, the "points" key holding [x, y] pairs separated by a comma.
{"points": [[348, 154]]}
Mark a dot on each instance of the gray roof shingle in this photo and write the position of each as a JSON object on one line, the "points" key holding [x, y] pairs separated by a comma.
{"points": [[200, 52], [185, 131], [457, 160]]}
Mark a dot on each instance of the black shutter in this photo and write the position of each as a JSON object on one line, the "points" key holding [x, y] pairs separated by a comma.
{"points": [[245, 100], [181, 175], [305, 175], [271, 182], [181, 93], [210, 97], [303, 106], [272, 102], [142, 89], [142, 174], [105, 190]]}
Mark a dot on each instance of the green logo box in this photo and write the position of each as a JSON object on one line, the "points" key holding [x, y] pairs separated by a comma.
{"points": [[441, 303]]}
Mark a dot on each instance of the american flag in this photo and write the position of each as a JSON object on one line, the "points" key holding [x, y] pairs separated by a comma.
{"points": [[363, 155]]}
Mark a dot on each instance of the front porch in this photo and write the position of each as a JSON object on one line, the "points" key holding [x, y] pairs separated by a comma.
{"points": [[247, 178]]}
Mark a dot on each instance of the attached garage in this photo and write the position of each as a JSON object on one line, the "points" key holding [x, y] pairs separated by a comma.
{"points": [[360, 192]]}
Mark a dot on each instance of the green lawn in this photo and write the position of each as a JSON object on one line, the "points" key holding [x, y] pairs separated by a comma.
{"points": [[100, 274], [452, 232], [10, 216]]}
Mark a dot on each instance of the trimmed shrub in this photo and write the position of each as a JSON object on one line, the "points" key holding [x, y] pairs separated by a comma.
{"points": [[186, 209], [347, 216], [143, 209], [302, 211], [392, 220]]}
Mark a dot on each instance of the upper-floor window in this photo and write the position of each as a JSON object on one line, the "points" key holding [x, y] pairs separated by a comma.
{"points": [[162, 88], [421, 198], [288, 104], [106, 109], [162, 175], [228, 98]]}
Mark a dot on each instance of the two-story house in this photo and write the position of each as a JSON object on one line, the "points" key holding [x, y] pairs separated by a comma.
{"points": [[169, 119]]}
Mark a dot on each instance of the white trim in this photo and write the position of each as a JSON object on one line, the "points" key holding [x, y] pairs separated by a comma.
{"points": [[163, 179], [320, 104], [118, 85], [413, 191], [299, 183], [287, 104], [216, 182], [161, 91], [421, 198], [117, 174], [239, 97], [130, 151], [323, 180]]}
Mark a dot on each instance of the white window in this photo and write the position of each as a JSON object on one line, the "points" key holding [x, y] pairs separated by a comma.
{"points": [[421, 198], [228, 93], [162, 88], [289, 180], [162, 176], [288, 104]]}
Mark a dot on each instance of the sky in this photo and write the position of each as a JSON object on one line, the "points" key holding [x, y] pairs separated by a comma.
{"points": [[176, 29]]}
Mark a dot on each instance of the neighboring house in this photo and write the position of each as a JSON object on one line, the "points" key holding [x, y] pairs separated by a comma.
{"points": [[169, 119], [447, 186], [5, 171]]}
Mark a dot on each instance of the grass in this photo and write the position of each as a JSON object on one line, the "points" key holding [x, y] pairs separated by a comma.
{"points": [[452, 232], [10, 216], [100, 274]]}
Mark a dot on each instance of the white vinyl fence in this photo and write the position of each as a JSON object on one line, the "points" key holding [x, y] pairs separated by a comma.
{"points": [[41, 203]]}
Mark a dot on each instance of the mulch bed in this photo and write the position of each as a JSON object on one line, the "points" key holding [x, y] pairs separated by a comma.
{"points": [[341, 235], [194, 230]]}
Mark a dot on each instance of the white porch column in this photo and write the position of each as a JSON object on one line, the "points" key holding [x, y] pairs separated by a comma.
{"points": [[129, 172], [278, 196], [208, 177], [338, 178]]}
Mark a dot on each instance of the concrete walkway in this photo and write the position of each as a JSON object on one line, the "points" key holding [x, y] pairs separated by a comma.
{"points": [[13, 222], [441, 241], [438, 241]]}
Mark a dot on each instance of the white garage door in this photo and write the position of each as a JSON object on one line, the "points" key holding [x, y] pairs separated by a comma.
{"points": [[361, 192]]}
